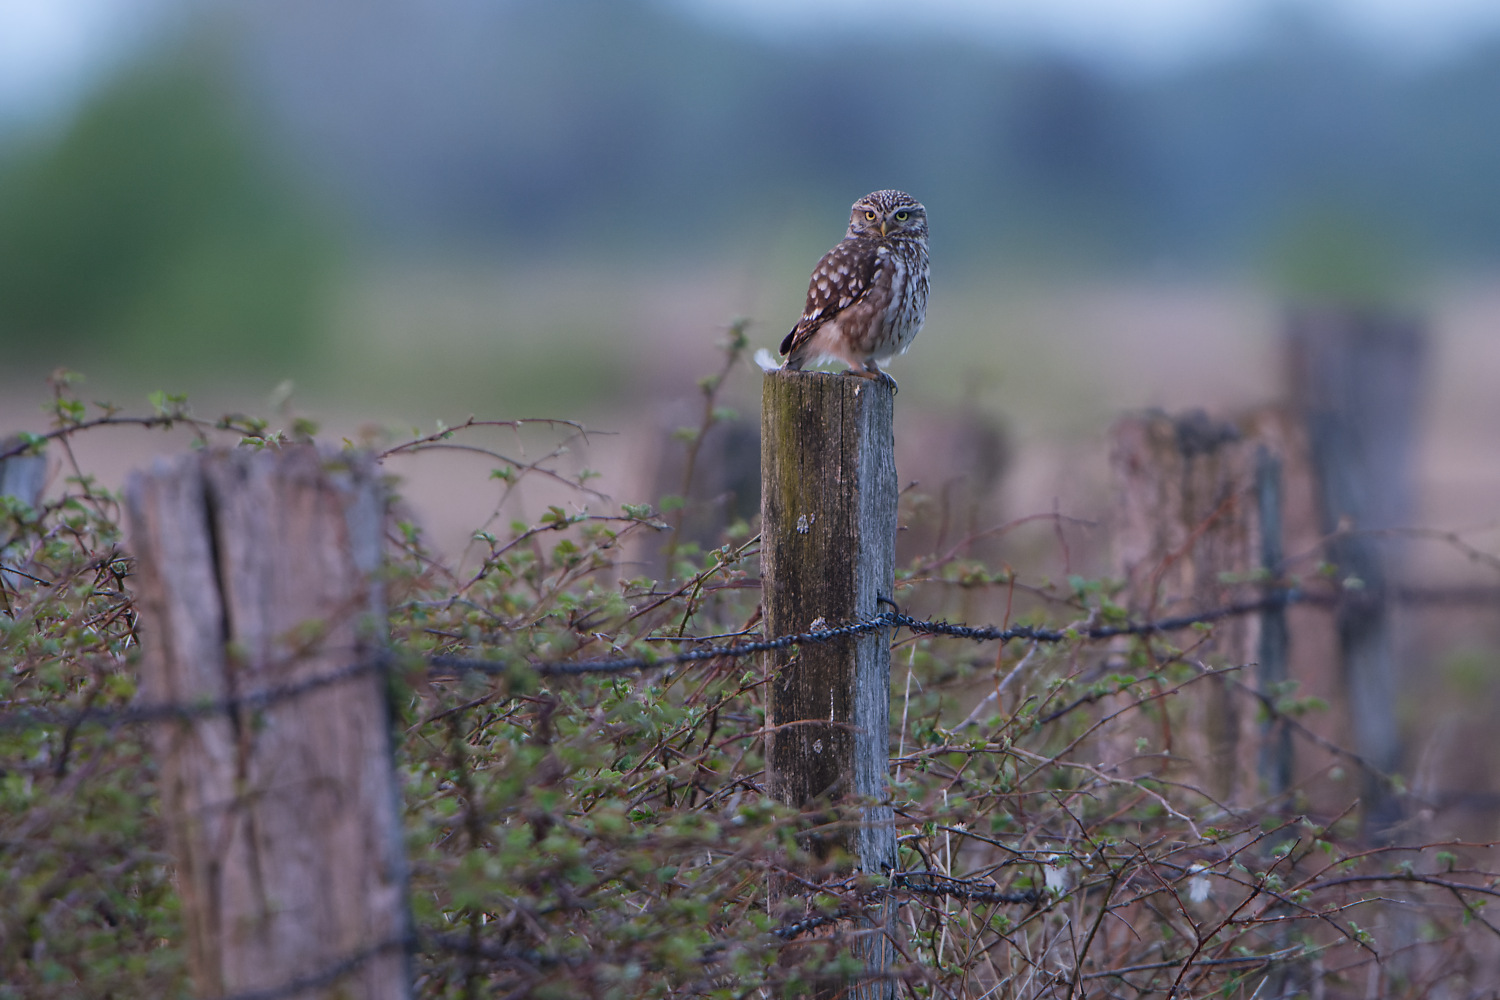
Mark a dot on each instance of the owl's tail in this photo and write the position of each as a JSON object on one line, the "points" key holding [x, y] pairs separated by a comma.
{"points": [[798, 356]]}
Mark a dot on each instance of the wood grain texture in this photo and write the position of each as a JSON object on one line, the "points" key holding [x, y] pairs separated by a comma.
{"points": [[257, 572], [828, 531]]}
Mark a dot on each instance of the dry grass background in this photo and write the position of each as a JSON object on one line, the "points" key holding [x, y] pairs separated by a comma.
{"points": [[621, 352]]}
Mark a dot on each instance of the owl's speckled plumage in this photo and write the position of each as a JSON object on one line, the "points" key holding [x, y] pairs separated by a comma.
{"points": [[868, 295]]}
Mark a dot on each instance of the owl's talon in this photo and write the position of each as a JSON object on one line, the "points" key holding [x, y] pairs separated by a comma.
{"points": [[872, 371], [874, 375]]}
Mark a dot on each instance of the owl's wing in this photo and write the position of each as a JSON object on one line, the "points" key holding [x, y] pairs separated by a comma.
{"points": [[842, 278]]}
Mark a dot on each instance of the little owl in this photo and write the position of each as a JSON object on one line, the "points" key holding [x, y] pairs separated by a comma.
{"points": [[868, 295]]}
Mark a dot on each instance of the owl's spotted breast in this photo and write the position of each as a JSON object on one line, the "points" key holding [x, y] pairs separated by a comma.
{"points": [[867, 297]]}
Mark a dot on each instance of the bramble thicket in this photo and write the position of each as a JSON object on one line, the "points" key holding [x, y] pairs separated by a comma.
{"points": [[608, 832]]}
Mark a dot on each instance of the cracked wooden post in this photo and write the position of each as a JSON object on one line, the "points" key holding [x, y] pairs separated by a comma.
{"points": [[828, 535], [256, 582]]}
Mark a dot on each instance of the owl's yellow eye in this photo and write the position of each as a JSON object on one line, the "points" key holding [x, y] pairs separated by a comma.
{"points": [[902, 216], [869, 216]]}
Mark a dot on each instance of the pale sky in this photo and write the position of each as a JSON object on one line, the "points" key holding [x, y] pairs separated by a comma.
{"points": [[51, 50], [1142, 32]]}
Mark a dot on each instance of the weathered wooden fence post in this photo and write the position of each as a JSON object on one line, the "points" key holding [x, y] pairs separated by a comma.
{"points": [[828, 534], [260, 605], [1205, 512], [1185, 526], [1274, 644], [1356, 380]]}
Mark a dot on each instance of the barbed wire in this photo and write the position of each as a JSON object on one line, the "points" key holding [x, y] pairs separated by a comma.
{"points": [[449, 666], [443, 665], [626, 664], [885, 619], [329, 974], [26, 718], [986, 633], [929, 883]]}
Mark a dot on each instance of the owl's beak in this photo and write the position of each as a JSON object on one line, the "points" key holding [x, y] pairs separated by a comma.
{"points": [[883, 225]]}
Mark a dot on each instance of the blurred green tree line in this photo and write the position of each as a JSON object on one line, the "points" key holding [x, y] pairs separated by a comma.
{"points": [[171, 218], [156, 229]]}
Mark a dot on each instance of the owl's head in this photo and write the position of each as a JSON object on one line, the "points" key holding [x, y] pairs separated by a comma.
{"points": [[884, 215]]}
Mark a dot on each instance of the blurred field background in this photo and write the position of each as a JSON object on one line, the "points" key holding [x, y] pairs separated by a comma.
{"points": [[385, 214], [510, 208]]}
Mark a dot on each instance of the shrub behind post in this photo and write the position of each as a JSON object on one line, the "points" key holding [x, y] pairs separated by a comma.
{"points": [[257, 588], [828, 533]]}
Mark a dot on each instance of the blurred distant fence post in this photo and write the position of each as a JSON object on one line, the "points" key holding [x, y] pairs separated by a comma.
{"points": [[1356, 380], [262, 613], [1204, 512], [21, 478], [1273, 647], [828, 535], [1185, 534]]}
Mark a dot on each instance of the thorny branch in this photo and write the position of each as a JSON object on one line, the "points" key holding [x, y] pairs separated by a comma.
{"points": [[600, 824]]}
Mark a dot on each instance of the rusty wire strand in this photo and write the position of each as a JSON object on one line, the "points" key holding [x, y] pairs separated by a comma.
{"points": [[449, 666]]}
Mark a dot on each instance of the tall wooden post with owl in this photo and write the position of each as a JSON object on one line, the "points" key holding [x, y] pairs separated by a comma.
{"points": [[828, 534], [828, 543]]}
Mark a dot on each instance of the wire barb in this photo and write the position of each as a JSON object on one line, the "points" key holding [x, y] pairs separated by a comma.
{"points": [[454, 666]]}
